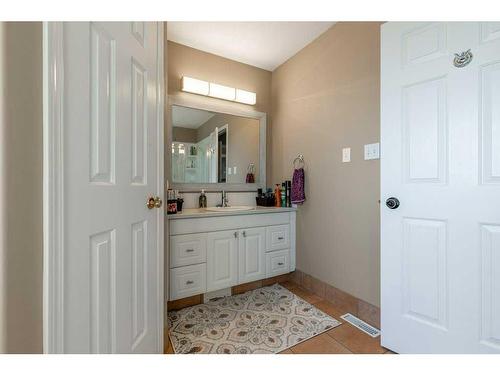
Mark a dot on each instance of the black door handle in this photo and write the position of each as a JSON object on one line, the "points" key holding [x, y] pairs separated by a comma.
{"points": [[392, 203]]}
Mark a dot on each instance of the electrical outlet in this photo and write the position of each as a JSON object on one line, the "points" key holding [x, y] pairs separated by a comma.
{"points": [[229, 171], [346, 155], [372, 151]]}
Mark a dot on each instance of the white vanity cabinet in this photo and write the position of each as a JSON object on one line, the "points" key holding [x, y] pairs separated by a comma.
{"points": [[222, 259], [251, 255], [210, 252]]}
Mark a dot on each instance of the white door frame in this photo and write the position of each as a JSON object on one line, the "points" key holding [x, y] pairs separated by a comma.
{"points": [[53, 186]]}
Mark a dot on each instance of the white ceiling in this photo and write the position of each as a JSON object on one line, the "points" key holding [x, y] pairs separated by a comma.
{"points": [[184, 117], [262, 44]]}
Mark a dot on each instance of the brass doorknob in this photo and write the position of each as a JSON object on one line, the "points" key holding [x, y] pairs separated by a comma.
{"points": [[150, 203], [154, 202], [158, 202]]}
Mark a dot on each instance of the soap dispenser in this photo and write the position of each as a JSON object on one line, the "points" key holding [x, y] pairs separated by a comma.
{"points": [[202, 201]]}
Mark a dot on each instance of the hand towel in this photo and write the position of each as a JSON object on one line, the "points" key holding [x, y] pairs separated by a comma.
{"points": [[298, 182]]}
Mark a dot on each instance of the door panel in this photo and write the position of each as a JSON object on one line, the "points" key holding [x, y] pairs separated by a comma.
{"points": [[490, 122], [424, 271], [102, 292], [423, 44], [113, 163], [222, 260], [139, 123], [424, 131], [489, 31], [140, 287], [252, 261], [490, 285], [102, 105], [438, 133]]}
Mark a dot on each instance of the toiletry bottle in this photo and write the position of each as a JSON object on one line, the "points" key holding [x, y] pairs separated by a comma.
{"points": [[283, 195], [202, 201], [171, 202], [277, 196], [288, 185], [180, 201]]}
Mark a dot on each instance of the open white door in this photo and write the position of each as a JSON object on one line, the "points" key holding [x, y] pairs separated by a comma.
{"points": [[103, 160], [440, 134], [214, 156]]}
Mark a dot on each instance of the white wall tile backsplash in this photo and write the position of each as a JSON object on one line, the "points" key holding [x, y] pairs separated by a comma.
{"points": [[213, 199]]}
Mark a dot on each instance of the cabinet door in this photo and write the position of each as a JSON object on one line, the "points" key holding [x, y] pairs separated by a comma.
{"points": [[222, 259], [187, 281], [188, 249], [277, 263], [252, 261], [278, 237]]}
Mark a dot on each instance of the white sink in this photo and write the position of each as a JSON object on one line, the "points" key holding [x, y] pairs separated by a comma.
{"points": [[230, 208]]}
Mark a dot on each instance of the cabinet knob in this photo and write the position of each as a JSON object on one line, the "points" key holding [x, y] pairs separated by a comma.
{"points": [[244, 234], [235, 234]]}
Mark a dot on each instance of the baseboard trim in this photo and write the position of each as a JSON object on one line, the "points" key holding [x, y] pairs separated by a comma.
{"points": [[343, 300]]}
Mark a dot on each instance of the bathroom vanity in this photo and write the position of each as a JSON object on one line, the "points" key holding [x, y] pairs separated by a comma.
{"points": [[211, 251]]}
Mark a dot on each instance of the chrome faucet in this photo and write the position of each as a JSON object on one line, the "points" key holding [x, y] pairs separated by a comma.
{"points": [[224, 200]]}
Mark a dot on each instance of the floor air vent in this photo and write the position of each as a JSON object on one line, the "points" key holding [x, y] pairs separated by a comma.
{"points": [[359, 324]]}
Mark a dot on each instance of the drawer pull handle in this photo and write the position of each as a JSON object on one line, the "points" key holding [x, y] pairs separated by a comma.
{"points": [[235, 234], [189, 282], [280, 263], [189, 250], [281, 238]]}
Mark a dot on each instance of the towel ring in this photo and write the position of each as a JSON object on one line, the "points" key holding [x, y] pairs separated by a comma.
{"points": [[300, 160]]}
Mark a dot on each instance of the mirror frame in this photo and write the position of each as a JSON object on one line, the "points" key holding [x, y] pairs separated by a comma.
{"points": [[220, 106]]}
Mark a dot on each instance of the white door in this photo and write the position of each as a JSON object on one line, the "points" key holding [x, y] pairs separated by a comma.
{"points": [[113, 161], [213, 156], [252, 255], [440, 133], [222, 259]]}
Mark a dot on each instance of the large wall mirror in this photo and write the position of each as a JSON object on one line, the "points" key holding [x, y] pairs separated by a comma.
{"points": [[215, 149]]}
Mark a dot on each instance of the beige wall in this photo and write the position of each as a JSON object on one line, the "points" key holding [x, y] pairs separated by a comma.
{"points": [[184, 135], [186, 61], [21, 238], [325, 98]]}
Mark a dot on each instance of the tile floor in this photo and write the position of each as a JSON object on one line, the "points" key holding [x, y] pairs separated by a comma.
{"points": [[344, 339]]}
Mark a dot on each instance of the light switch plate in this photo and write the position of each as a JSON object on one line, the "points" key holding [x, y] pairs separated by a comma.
{"points": [[346, 155], [372, 151]]}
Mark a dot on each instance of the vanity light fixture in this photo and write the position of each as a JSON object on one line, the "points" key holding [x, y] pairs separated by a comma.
{"points": [[222, 92], [197, 86], [246, 97]]}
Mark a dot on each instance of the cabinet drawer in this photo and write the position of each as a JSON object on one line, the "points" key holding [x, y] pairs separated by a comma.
{"points": [[277, 237], [188, 249], [277, 263], [188, 281]]}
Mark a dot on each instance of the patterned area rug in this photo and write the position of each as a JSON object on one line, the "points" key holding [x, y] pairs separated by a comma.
{"points": [[261, 321]]}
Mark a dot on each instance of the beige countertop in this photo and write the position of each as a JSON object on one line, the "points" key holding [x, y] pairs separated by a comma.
{"points": [[189, 213]]}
